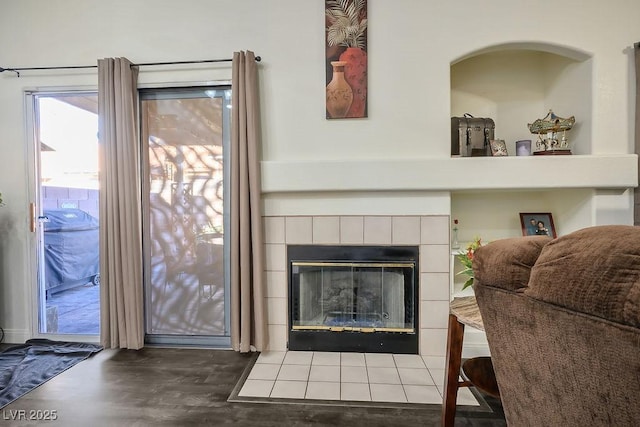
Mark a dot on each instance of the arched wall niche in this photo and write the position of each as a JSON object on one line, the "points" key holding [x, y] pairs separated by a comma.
{"points": [[517, 83], [560, 50]]}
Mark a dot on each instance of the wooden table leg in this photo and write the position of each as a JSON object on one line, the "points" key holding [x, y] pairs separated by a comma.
{"points": [[454, 359]]}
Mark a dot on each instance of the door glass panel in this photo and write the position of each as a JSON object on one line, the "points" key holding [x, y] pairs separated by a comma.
{"points": [[68, 233], [184, 134]]}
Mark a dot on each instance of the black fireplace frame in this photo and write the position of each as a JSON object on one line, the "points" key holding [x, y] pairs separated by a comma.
{"points": [[353, 341]]}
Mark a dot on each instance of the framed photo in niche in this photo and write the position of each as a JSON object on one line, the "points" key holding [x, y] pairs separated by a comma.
{"points": [[537, 224], [523, 147]]}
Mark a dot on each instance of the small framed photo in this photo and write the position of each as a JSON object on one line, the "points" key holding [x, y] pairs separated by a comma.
{"points": [[537, 224], [498, 147], [523, 147]]}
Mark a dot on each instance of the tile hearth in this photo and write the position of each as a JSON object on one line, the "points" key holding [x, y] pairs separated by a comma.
{"points": [[364, 377]]}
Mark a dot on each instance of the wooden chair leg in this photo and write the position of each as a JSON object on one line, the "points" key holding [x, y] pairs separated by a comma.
{"points": [[454, 359]]}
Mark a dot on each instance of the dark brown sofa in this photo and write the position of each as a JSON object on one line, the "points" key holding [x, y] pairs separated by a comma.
{"points": [[562, 319]]}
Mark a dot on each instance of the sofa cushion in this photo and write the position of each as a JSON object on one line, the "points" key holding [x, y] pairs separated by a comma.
{"points": [[595, 271], [507, 263]]}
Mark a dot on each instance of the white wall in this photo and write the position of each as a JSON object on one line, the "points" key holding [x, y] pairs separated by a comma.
{"points": [[411, 46]]}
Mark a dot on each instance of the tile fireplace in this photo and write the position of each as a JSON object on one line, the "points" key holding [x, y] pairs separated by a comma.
{"points": [[353, 298], [428, 233]]}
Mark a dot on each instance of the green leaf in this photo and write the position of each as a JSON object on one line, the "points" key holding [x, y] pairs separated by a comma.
{"points": [[467, 283], [466, 271]]}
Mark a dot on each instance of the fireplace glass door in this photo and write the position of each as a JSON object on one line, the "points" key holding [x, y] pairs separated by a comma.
{"points": [[353, 296]]}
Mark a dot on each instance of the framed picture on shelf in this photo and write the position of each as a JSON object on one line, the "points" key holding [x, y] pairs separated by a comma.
{"points": [[537, 224], [498, 147]]}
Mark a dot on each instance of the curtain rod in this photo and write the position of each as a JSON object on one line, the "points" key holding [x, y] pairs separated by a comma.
{"points": [[143, 64]]}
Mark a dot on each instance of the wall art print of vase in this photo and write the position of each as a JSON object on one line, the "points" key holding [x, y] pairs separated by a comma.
{"points": [[346, 41], [339, 93]]}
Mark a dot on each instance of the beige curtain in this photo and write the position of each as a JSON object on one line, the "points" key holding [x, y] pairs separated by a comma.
{"points": [[248, 320], [121, 321], [636, 191]]}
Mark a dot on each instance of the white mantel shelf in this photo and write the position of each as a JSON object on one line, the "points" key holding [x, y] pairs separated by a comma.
{"points": [[606, 171]]}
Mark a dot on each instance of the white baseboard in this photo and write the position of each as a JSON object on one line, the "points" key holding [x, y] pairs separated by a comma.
{"points": [[15, 336]]}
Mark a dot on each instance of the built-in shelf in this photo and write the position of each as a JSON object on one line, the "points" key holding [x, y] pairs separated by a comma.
{"points": [[606, 171], [515, 84]]}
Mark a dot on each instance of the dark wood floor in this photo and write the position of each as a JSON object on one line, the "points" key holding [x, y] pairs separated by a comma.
{"points": [[190, 387]]}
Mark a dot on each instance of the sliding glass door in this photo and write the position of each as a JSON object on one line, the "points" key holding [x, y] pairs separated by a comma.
{"points": [[65, 213], [185, 136]]}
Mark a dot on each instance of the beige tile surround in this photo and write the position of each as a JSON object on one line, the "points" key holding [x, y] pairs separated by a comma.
{"points": [[431, 233]]}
